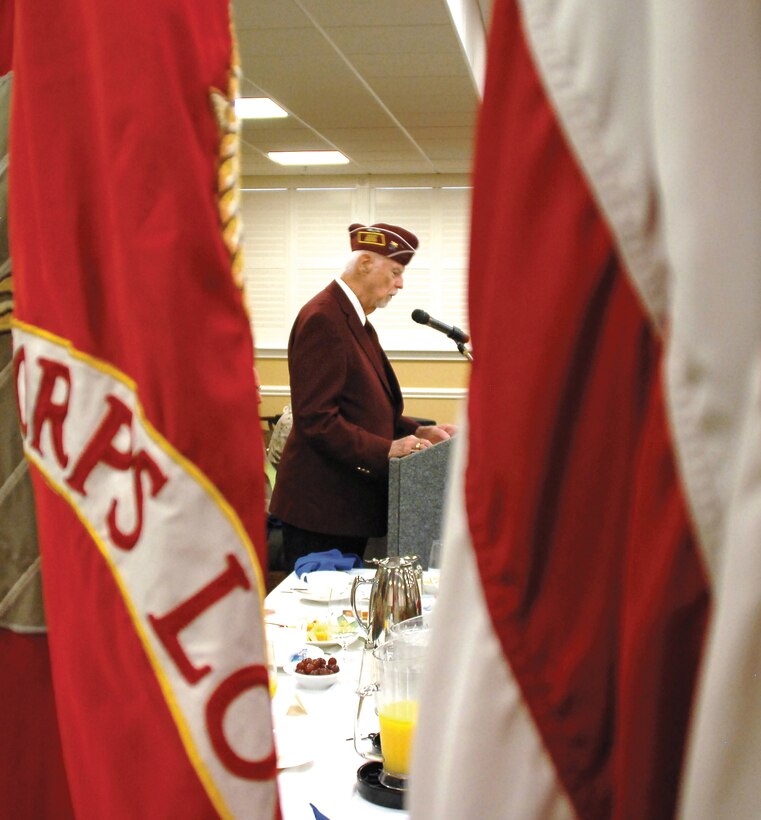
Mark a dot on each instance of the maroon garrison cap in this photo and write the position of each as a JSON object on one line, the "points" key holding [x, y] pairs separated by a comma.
{"points": [[387, 240]]}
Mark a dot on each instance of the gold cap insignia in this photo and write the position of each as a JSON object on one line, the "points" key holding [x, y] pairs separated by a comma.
{"points": [[371, 238]]}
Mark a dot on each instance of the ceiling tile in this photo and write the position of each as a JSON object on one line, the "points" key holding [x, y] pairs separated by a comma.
{"points": [[404, 66], [248, 14], [368, 138], [384, 81], [382, 39], [399, 13]]}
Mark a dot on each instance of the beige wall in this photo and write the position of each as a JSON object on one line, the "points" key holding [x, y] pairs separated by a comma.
{"points": [[433, 388]]}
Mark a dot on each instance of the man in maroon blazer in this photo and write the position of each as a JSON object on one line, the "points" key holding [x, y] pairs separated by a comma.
{"points": [[332, 482]]}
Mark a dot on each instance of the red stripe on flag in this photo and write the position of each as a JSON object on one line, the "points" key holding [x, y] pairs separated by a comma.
{"points": [[583, 544], [33, 783], [6, 36]]}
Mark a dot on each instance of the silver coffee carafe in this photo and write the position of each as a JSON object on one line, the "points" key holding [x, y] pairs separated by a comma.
{"points": [[394, 595]]}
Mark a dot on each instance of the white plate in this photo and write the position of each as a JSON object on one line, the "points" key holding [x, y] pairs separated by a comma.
{"points": [[294, 742], [331, 642], [324, 599], [325, 585], [323, 644], [285, 642], [354, 633]]}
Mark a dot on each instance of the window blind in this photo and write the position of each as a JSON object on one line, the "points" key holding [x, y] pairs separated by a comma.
{"points": [[296, 240]]}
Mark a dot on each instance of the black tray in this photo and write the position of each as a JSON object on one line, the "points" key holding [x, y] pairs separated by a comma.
{"points": [[370, 787]]}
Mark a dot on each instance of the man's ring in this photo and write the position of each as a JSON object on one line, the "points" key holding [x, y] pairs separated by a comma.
{"points": [[417, 446]]}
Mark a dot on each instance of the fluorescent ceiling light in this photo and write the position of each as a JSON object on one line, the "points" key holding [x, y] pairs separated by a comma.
{"points": [[308, 157], [258, 108]]}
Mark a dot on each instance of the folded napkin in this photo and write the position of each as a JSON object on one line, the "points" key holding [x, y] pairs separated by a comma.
{"points": [[318, 815], [330, 560], [296, 708]]}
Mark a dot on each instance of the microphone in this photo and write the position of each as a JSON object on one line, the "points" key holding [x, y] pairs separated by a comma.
{"points": [[424, 318]]}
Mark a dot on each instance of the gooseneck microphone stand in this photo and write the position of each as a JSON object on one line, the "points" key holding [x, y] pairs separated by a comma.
{"points": [[464, 350], [459, 337]]}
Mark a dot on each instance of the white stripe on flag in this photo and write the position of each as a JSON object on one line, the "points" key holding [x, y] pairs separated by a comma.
{"points": [[477, 752]]}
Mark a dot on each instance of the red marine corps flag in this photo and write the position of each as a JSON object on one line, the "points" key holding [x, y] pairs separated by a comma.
{"points": [[596, 641], [133, 364]]}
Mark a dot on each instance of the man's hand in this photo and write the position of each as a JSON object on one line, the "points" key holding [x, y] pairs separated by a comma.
{"points": [[409, 444], [436, 432]]}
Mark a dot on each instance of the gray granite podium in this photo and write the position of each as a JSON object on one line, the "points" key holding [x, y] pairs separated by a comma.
{"points": [[416, 490]]}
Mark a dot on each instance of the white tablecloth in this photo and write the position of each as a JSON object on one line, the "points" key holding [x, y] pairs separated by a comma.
{"points": [[324, 733]]}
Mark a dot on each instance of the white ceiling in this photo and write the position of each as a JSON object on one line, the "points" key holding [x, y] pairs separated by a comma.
{"points": [[387, 83]]}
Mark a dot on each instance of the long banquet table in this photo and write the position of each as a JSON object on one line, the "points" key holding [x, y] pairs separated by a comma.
{"points": [[317, 760]]}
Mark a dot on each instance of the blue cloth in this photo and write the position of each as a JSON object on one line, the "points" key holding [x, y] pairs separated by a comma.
{"points": [[331, 559], [318, 815]]}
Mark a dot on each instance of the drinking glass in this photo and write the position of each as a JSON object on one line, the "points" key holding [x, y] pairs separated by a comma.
{"points": [[340, 628], [434, 566], [434, 556]]}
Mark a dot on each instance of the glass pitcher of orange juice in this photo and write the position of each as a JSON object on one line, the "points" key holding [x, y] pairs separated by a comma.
{"points": [[395, 683]]}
